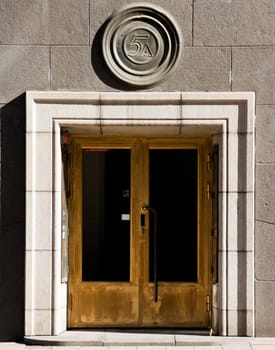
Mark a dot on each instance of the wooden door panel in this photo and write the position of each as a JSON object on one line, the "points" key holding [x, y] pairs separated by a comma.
{"points": [[104, 305], [95, 303], [177, 306]]}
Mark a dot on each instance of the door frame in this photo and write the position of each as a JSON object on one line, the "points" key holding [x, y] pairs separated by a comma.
{"points": [[230, 120]]}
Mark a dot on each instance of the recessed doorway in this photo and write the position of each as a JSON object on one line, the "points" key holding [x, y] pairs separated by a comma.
{"points": [[227, 118]]}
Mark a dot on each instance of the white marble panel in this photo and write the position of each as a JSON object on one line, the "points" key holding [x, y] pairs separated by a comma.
{"points": [[250, 322], [135, 130], [234, 274], [239, 323], [233, 164], [235, 291], [141, 123], [245, 124], [40, 107], [140, 111], [38, 322], [232, 324], [57, 158], [222, 323], [43, 115], [249, 170], [249, 285], [212, 112], [42, 280], [240, 277], [39, 220], [215, 320], [215, 296], [222, 281], [39, 119], [124, 97], [29, 280], [199, 127], [246, 161], [60, 289], [223, 161], [141, 107], [59, 321], [29, 321], [57, 220], [78, 126], [241, 158], [39, 162], [222, 222], [240, 225]]}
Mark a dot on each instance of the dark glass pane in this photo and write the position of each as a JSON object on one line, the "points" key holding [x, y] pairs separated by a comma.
{"points": [[173, 194], [106, 215]]}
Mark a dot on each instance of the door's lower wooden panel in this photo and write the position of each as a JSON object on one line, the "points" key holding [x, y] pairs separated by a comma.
{"points": [[104, 305], [111, 305], [177, 306]]}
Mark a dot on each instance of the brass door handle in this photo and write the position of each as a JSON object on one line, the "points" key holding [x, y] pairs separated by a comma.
{"points": [[145, 210], [142, 222]]}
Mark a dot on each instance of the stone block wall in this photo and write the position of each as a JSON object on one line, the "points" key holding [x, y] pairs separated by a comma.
{"points": [[229, 45]]}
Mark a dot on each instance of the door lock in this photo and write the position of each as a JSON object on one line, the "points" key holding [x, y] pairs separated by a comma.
{"points": [[144, 210]]}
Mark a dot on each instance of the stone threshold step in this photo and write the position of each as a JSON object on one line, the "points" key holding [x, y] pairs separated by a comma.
{"points": [[133, 338]]}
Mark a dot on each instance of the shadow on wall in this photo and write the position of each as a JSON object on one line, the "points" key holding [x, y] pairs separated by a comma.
{"points": [[99, 65], [12, 246]]}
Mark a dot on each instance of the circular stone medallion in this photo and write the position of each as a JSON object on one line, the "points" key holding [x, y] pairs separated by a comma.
{"points": [[141, 44]]}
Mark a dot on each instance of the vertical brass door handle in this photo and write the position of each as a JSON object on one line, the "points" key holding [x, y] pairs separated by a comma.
{"points": [[142, 222], [145, 210]]}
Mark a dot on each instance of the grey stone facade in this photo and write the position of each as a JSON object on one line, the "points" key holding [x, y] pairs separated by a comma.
{"points": [[229, 45]]}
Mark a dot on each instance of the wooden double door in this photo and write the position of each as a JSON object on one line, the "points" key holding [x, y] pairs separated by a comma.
{"points": [[139, 248]]}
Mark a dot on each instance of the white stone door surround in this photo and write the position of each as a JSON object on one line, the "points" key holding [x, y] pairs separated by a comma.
{"points": [[229, 117]]}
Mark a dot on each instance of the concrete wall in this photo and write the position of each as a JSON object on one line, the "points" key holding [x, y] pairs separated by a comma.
{"points": [[229, 45]]}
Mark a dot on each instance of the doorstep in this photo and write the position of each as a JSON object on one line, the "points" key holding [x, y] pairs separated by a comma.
{"points": [[133, 338]]}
